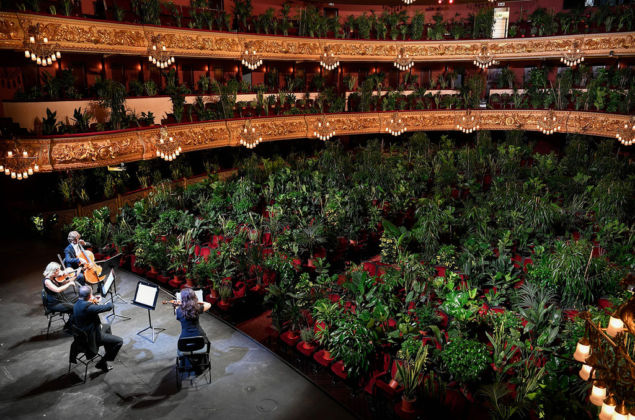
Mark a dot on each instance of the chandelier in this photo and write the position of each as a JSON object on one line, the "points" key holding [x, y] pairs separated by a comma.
{"points": [[249, 137], [548, 124], [19, 165], [396, 126], [484, 59], [403, 62], [323, 130], [626, 135], [408, 2], [167, 147], [157, 53], [37, 47], [468, 123], [607, 356], [250, 58], [328, 59], [573, 55]]}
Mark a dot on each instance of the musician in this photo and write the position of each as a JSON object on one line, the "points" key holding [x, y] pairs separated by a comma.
{"points": [[187, 313], [55, 301], [71, 253], [86, 318]]}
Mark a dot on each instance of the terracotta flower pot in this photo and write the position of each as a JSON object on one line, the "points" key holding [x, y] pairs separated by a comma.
{"points": [[408, 405], [393, 384], [327, 355]]}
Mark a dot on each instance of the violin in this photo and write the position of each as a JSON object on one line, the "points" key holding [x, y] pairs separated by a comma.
{"points": [[65, 275], [178, 302], [92, 271], [95, 299]]}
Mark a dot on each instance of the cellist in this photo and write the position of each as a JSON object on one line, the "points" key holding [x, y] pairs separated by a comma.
{"points": [[71, 253]]}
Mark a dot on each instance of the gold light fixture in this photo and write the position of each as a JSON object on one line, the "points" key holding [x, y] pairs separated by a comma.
{"points": [[18, 164], [249, 137], [250, 57], [403, 62], [328, 59], [323, 129], [468, 123], [573, 56], [626, 134], [484, 59], [158, 54], [549, 123], [37, 47], [607, 354], [396, 126], [167, 147]]}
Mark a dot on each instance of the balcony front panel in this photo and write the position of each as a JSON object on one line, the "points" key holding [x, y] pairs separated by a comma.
{"points": [[111, 148], [85, 35]]}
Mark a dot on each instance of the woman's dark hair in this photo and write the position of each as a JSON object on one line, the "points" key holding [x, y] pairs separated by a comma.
{"points": [[189, 303]]}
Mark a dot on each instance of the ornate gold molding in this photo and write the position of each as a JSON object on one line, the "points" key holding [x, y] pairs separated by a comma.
{"points": [[111, 148], [74, 34]]}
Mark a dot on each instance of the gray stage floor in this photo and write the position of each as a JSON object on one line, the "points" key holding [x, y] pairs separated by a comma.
{"points": [[248, 381]]}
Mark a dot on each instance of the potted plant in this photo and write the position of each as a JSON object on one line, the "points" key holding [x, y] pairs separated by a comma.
{"points": [[225, 291], [308, 338], [410, 374]]}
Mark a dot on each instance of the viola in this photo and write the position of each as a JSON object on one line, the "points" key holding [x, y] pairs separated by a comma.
{"points": [[92, 271]]}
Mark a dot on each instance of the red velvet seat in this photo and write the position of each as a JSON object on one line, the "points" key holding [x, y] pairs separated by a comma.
{"points": [[339, 369], [290, 338], [307, 351], [384, 386], [318, 356]]}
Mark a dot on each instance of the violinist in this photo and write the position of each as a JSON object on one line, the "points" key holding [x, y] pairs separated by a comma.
{"points": [[71, 253], [187, 313], [55, 283], [86, 317]]}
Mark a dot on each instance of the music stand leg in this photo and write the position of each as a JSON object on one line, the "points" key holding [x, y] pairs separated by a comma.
{"points": [[114, 314], [116, 295], [150, 327]]}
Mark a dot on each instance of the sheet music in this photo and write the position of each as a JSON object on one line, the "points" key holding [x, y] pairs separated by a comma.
{"points": [[197, 292], [146, 295]]}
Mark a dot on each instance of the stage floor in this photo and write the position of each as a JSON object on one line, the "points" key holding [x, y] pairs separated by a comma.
{"points": [[248, 381]]}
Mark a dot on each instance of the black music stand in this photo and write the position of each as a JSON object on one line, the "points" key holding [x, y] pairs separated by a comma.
{"points": [[111, 263], [146, 297], [107, 287]]}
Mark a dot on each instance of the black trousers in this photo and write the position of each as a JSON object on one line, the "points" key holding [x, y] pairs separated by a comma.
{"points": [[66, 308], [111, 343]]}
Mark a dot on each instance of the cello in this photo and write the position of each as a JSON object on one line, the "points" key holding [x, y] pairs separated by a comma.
{"points": [[92, 271]]}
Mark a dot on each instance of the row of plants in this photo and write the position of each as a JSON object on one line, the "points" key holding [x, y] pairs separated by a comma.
{"points": [[609, 90], [310, 21], [464, 263]]}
